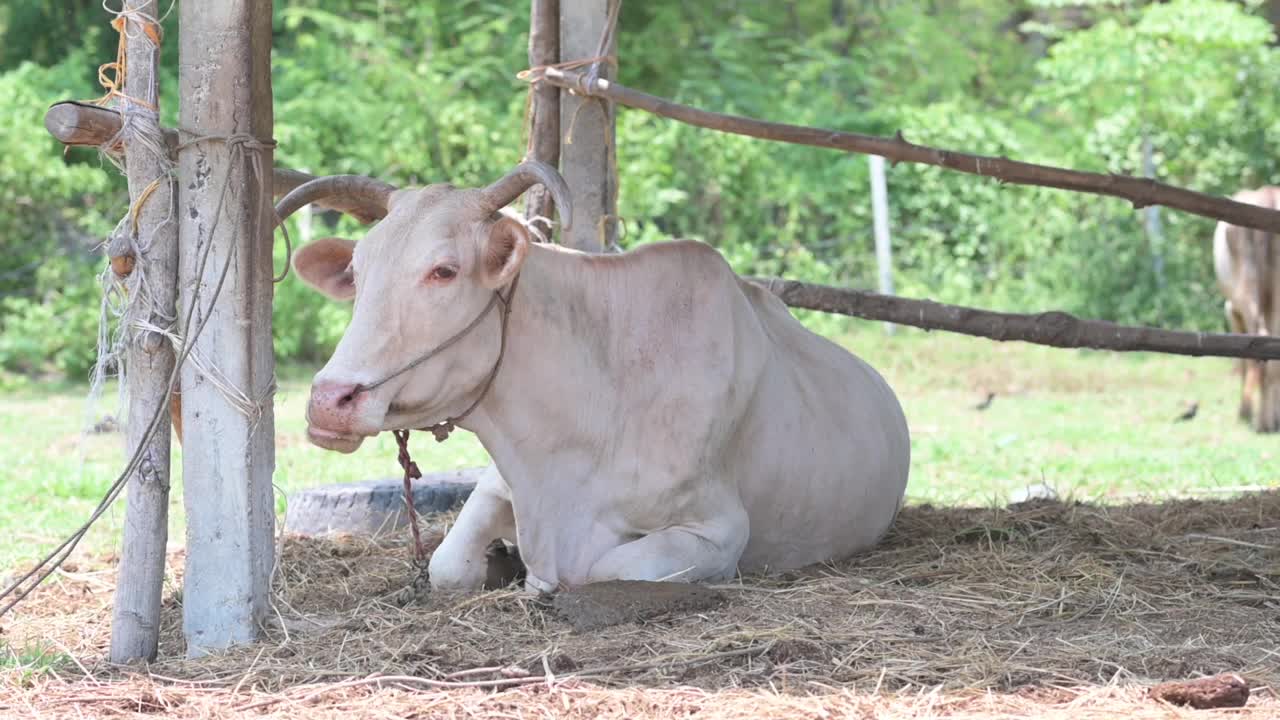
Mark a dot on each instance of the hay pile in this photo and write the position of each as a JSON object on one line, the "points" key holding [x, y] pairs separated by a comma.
{"points": [[1061, 607]]}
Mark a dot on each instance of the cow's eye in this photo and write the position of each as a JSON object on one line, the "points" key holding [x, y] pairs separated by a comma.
{"points": [[442, 273]]}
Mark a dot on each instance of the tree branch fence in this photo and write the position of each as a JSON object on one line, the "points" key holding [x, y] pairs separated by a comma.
{"points": [[1141, 192]]}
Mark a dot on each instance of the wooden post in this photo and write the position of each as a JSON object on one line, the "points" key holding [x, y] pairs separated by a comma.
{"points": [[587, 132], [228, 455], [544, 101], [880, 220], [149, 358]]}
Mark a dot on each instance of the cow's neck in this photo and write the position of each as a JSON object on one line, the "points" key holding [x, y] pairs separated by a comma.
{"points": [[552, 392]]}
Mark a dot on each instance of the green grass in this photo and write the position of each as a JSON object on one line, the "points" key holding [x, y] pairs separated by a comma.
{"points": [[22, 666], [1094, 426]]}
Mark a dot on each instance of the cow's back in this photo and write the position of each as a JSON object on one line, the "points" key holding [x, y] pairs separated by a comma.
{"points": [[824, 448], [718, 403], [1246, 262]]}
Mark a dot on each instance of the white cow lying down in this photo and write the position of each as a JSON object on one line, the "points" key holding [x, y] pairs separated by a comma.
{"points": [[654, 415]]}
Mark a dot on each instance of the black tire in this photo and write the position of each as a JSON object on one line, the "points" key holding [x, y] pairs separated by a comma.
{"points": [[374, 507]]}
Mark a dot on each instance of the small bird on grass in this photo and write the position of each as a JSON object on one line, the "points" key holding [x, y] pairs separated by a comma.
{"points": [[986, 403], [1189, 413]]}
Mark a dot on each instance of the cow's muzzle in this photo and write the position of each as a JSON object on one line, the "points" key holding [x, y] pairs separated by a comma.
{"points": [[333, 413], [333, 441]]}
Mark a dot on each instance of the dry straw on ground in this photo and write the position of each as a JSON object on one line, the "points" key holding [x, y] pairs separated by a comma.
{"points": [[1047, 609]]}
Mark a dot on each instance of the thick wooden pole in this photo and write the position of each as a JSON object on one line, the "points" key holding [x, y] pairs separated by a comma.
{"points": [[587, 132], [228, 455], [149, 358], [544, 101]]}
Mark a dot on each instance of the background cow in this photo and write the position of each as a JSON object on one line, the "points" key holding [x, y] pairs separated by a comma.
{"points": [[1246, 263]]}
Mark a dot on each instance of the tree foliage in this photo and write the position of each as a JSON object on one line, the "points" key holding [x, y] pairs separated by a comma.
{"points": [[425, 90]]}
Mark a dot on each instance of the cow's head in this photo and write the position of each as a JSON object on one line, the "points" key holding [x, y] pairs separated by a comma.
{"points": [[421, 276]]}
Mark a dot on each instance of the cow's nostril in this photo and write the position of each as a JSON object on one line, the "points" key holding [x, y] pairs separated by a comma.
{"points": [[336, 396]]}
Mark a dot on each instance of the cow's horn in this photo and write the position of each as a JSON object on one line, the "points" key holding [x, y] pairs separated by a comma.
{"points": [[521, 178], [367, 195]]}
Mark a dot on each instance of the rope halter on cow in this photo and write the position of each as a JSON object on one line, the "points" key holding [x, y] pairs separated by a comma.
{"points": [[375, 196]]}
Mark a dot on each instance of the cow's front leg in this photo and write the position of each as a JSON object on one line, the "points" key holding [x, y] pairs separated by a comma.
{"points": [[1235, 324], [707, 551], [461, 562], [534, 585]]}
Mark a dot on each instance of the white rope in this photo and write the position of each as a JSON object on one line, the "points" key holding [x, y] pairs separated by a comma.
{"points": [[128, 311], [238, 399], [242, 146], [126, 301]]}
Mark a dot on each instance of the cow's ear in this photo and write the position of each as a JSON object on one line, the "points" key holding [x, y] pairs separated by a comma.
{"points": [[503, 252], [326, 266]]}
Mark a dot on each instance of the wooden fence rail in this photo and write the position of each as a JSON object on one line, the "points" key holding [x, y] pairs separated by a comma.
{"points": [[1056, 329], [90, 125], [82, 124], [1142, 192]]}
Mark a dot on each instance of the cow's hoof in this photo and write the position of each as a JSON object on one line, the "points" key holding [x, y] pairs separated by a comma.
{"points": [[504, 565], [1266, 428]]}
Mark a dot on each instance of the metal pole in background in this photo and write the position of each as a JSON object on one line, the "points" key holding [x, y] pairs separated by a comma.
{"points": [[880, 216], [1155, 235]]}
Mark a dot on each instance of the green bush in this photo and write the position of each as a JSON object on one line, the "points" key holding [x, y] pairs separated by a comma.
{"points": [[56, 331], [51, 217], [306, 326]]}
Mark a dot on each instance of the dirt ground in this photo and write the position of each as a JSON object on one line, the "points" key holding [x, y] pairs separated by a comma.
{"points": [[1046, 609]]}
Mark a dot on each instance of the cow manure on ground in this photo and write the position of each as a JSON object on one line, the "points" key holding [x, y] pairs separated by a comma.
{"points": [[601, 605], [1219, 691]]}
